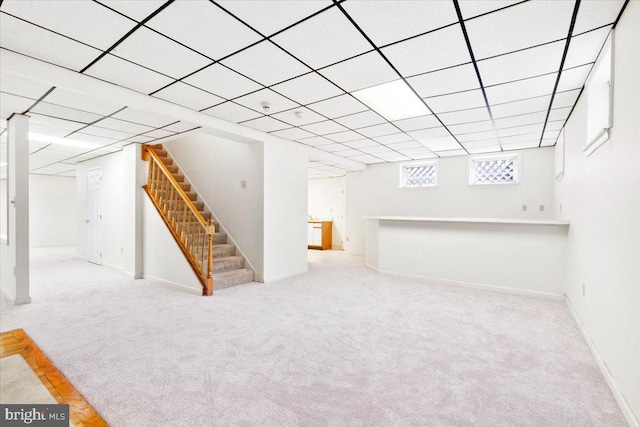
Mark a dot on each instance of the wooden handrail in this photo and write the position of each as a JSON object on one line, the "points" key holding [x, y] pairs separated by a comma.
{"points": [[190, 230]]}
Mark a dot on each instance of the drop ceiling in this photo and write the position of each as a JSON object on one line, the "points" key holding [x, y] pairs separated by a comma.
{"points": [[493, 75]]}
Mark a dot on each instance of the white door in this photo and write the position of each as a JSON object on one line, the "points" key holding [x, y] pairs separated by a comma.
{"points": [[94, 216]]}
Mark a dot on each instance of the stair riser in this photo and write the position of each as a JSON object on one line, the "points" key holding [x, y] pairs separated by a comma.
{"points": [[223, 251], [227, 282], [227, 265], [219, 238]]}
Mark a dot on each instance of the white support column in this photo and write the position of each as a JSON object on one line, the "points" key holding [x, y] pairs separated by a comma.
{"points": [[18, 147], [134, 178]]}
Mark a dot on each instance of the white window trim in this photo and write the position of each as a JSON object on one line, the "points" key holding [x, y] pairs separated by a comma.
{"points": [[516, 168], [404, 166]]}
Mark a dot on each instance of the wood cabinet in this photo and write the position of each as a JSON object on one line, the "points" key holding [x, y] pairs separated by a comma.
{"points": [[319, 234]]}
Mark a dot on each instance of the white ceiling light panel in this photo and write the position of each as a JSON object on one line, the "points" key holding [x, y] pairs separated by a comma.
{"points": [[393, 101]]}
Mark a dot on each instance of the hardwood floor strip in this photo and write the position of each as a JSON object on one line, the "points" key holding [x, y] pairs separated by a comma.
{"points": [[80, 411]]}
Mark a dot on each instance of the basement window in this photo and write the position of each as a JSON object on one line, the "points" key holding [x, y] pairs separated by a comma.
{"points": [[424, 174], [494, 169]]}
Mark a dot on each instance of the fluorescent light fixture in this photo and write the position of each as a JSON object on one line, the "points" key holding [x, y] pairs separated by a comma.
{"points": [[393, 100], [63, 141]]}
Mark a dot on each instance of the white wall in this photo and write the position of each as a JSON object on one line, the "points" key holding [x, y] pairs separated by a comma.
{"points": [[285, 209], [215, 167], [376, 192], [53, 210], [600, 195], [326, 201], [112, 204]]}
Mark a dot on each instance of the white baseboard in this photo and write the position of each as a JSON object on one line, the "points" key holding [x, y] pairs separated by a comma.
{"points": [[285, 275], [617, 393], [53, 245], [172, 284], [503, 289], [354, 253], [111, 266], [22, 300]]}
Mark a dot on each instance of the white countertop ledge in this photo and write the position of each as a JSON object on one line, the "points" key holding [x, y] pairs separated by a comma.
{"points": [[508, 221]]}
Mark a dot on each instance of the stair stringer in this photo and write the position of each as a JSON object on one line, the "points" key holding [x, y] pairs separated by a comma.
{"points": [[257, 275]]}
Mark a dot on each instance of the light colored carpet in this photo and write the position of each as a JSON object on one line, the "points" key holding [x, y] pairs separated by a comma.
{"points": [[337, 346]]}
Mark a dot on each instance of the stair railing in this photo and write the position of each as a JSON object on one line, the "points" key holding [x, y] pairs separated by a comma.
{"points": [[191, 231]]}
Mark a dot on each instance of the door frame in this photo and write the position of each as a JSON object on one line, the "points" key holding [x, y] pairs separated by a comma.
{"points": [[88, 234]]}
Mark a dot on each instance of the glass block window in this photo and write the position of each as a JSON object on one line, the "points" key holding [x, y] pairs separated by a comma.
{"points": [[419, 175], [503, 169]]}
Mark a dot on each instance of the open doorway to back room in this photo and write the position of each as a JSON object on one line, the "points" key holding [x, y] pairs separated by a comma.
{"points": [[326, 222]]}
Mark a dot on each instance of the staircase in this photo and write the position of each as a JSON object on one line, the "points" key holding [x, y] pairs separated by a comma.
{"points": [[213, 260]]}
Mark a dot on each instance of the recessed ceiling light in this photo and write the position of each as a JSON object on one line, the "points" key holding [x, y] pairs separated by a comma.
{"points": [[393, 100], [63, 141]]}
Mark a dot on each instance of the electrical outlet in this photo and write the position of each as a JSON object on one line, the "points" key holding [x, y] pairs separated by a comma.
{"points": [[243, 184], [584, 290], [541, 208], [524, 208]]}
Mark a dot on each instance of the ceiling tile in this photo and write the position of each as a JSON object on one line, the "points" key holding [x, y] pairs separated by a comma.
{"points": [[452, 153], [293, 134], [116, 135], [361, 72], [124, 73], [457, 101], [469, 138], [18, 36], [323, 128], [521, 145], [471, 8], [310, 41], [433, 51], [389, 21], [393, 139], [415, 123], [405, 145], [360, 120], [266, 124], [553, 134], [574, 78], [481, 143], [378, 130], [307, 89], [520, 130], [349, 152], [548, 142], [274, 15], [377, 149], [315, 141], [523, 89], [465, 116], [455, 79], [232, 112], [523, 64], [426, 134], [585, 48], [332, 147], [136, 10], [159, 133], [308, 116], [143, 117], [554, 125], [65, 113], [524, 106], [78, 101], [344, 136], [22, 87], [342, 105], [47, 130], [266, 63], [84, 21], [395, 157], [418, 153], [10, 104], [507, 140], [176, 21], [525, 25], [560, 113], [181, 127], [361, 143], [521, 120], [367, 159], [443, 143], [222, 81], [593, 14], [166, 57], [278, 102], [188, 96], [471, 127], [69, 126], [565, 99], [124, 126]]}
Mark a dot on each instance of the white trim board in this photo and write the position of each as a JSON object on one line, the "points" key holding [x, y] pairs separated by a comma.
{"points": [[503, 289], [180, 286], [611, 382], [285, 275]]}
